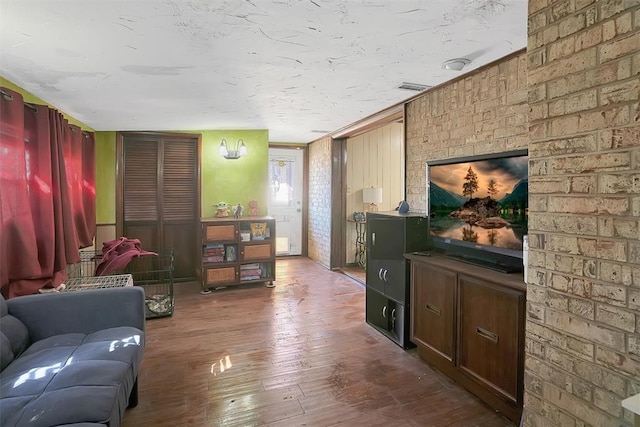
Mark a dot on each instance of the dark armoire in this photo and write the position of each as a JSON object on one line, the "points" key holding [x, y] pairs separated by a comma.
{"points": [[159, 195], [389, 236]]}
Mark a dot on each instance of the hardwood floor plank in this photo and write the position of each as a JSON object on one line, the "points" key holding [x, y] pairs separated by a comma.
{"points": [[299, 354]]}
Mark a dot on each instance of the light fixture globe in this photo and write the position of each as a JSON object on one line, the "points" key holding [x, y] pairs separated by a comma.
{"points": [[223, 149], [242, 150], [456, 64]]}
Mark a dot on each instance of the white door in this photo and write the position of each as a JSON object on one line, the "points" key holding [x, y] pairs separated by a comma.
{"points": [[285, 198]]}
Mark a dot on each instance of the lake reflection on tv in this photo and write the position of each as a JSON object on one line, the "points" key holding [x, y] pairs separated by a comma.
{"points": [[502, 237], [505, 237]]}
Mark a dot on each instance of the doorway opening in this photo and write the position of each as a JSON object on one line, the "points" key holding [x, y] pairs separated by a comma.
{"points": [[287, 198]]}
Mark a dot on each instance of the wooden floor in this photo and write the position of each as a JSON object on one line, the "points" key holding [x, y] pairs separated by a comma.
{"points": [[357, 273], [299, 354]]}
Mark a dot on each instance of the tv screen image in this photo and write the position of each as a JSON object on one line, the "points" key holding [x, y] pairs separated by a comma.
{"points": [[480, 203]]}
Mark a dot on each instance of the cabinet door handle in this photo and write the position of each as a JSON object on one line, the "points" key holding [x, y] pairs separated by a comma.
{"points": [[393, 314], [487, 334], [432, 308], [380, 274], [384, 311], [384, 276], [373, 239]]}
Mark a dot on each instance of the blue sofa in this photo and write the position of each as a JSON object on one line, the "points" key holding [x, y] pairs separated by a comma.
{"points": [[70, 358]]}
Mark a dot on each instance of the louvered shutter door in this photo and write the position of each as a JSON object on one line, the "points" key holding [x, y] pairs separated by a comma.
{"points": [[140, 176], [179, 181]]}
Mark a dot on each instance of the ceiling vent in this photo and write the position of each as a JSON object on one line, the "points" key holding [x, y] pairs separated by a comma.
{"points": [[417, 87]]}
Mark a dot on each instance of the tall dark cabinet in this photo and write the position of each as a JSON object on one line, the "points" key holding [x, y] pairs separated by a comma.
{"points": [[389, 236]]}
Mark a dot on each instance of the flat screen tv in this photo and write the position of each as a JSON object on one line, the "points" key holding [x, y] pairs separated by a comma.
{"points": [[478, 208]]}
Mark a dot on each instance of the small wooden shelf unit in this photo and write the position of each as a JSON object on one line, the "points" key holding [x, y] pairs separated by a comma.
{"points": [[237, 251]]}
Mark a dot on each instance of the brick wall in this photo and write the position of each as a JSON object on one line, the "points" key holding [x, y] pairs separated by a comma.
{"points": [[485, 112], [583, 300], [320, 201]]}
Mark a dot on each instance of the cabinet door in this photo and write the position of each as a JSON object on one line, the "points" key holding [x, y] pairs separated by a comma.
{"points": [[220, 232], [377, 310], [385, 238], [255, 252], [394, 279], [220, 276], [397, 323], [375, 270], [432, 316], [490, 336], [388, 277]]}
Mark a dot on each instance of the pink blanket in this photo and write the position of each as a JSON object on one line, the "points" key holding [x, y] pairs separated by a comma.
{"points": [[116, 254]]}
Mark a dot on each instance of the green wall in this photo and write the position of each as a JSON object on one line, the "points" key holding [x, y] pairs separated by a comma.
{"points": [[105, 177], [235, 181]]}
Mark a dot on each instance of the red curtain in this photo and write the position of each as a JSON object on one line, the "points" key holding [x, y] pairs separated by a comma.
{"points": [[89, 186], [47, 195], [19, 249]]}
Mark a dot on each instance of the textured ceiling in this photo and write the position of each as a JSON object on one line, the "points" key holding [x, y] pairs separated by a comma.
{"points": [[296, 68]]}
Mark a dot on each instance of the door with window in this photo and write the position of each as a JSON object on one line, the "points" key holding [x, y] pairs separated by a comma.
{"points": [[286, 171], [158, 199]]}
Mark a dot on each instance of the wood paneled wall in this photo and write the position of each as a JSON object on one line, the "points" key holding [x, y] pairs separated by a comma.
{"points": [[374, 159]]}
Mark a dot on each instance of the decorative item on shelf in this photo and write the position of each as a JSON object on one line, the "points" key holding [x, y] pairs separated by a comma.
{"points": [[253, 208], [403, 207], [222, 209], [370, 199], [259, 230], [230, 253], [359, 216], [239, 151], [237, 210]]}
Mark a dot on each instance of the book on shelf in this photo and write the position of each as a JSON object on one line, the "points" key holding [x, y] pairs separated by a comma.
{"points": [[252, 266], [253, 272], [213, 258]]}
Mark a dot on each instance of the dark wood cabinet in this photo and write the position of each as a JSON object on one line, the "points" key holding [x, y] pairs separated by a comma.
{"points": [[469, 322], [389, 236], [433, 315], [488, 335], [238, 251]]}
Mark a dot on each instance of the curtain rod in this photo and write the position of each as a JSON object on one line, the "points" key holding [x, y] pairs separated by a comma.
{"points": [[34, 108], [9, 97], [6, 95]]}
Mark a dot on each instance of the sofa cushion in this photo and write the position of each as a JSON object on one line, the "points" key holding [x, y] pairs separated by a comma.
{"points": [[6, 353], [16, 337], [72, 378]]}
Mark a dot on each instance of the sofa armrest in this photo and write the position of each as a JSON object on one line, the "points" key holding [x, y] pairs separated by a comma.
{"points": [[85, 312]]}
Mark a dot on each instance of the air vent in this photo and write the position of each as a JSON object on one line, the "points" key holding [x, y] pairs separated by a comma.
{"points": [[413, 86]]}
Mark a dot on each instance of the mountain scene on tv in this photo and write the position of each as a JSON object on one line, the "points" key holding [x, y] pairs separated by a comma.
{"points": [[483, 202]]}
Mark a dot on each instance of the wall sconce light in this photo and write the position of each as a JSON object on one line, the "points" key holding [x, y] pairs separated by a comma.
{"points": [[370, 198], [239, 151]]}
